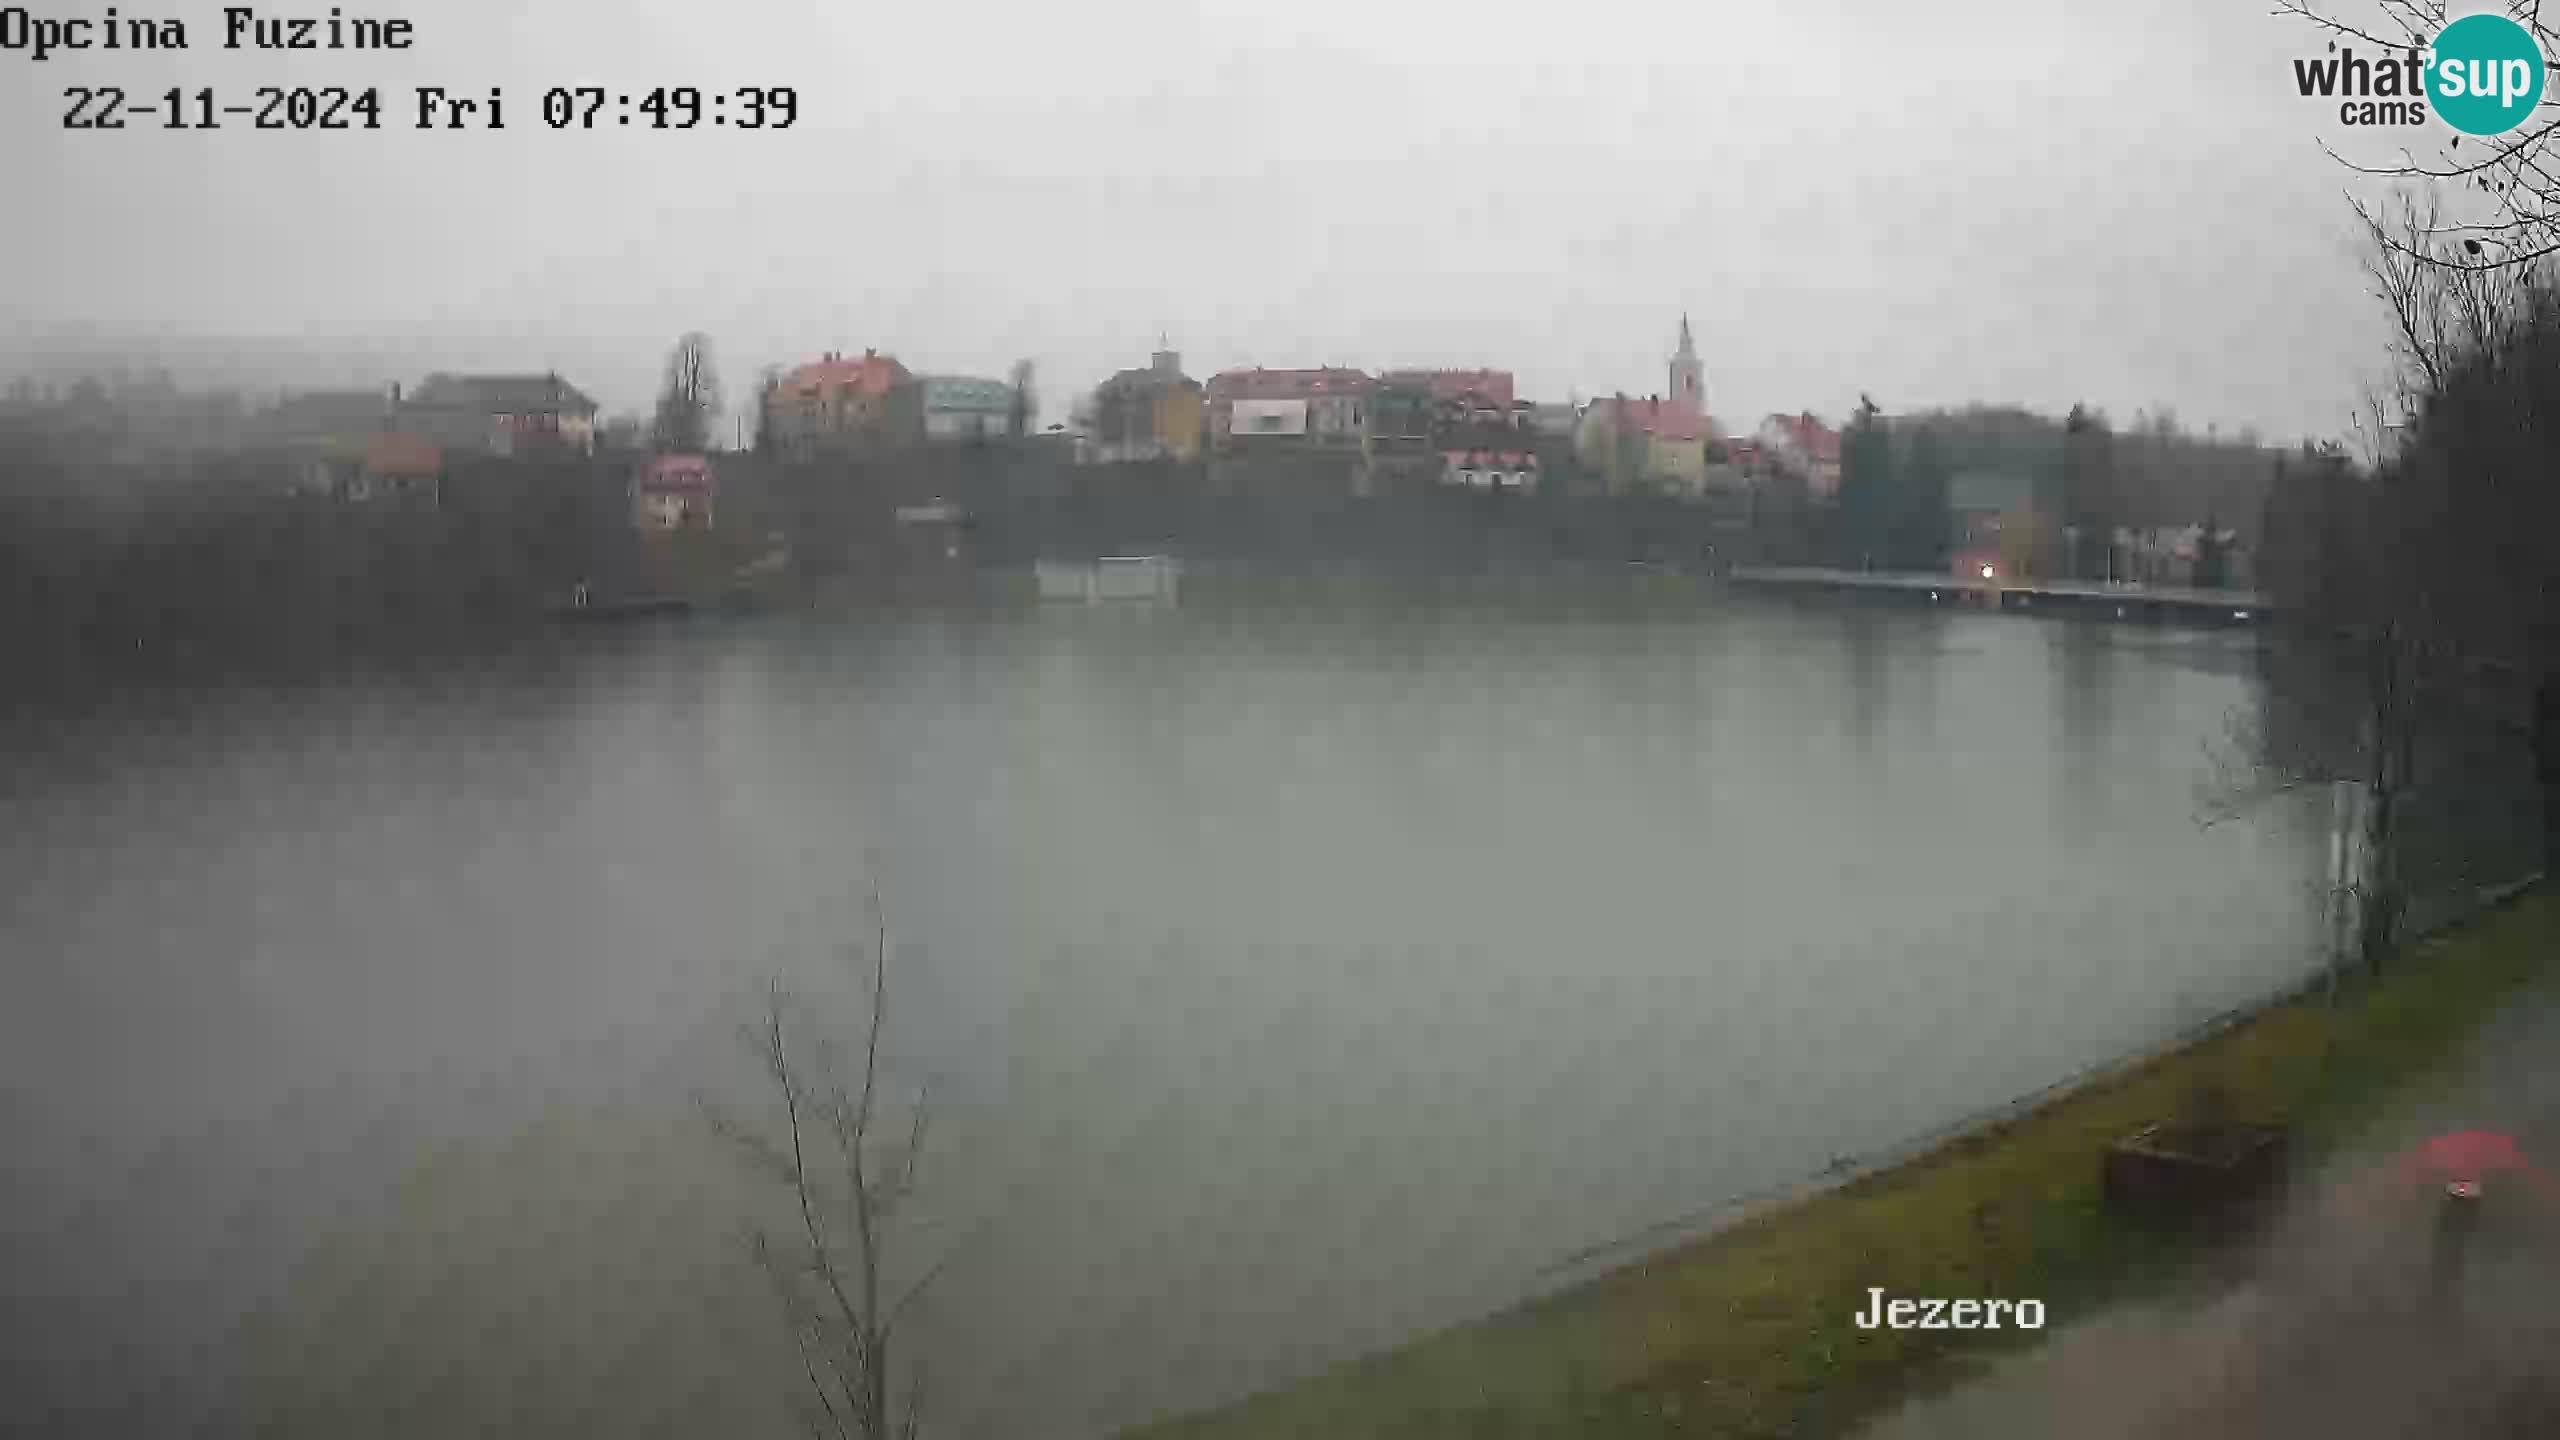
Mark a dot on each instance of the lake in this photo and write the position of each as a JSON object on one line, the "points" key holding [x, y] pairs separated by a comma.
{"points": [[1283, 982]]}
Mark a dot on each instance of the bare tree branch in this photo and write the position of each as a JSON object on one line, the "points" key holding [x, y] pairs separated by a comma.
{"points": [[2508, 169], [899, 1306], [844, 1341], [760, 1154], [854, 1319], [689, 398], [809, 1363], [2301, 10]]}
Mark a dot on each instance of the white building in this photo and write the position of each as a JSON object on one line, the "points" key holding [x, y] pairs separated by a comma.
{"points": [[965, 407], [1269, 417]]}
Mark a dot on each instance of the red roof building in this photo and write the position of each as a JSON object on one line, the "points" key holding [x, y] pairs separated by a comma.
{"points": [[873, 374], [1329, 403], [1656, 417], [1491, 459], [1260, 384], [1492, 387], [837, 399], [1814, 439], [1490, 469], [675, 492], [1804, 446]]}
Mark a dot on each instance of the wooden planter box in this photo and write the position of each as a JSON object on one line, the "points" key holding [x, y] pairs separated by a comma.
{"points": [[2177, 1172]]}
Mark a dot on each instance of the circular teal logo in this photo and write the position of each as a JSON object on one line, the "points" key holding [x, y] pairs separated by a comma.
{"points": [[2484, 75]]}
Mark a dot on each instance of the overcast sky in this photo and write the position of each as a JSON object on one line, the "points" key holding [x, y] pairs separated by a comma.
{"points": [[1988, 201]]}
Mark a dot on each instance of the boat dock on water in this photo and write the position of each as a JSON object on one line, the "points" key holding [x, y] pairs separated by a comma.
{"points": [[2119, 600]]}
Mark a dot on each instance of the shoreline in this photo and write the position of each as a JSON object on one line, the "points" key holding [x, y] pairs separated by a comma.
{"points": [[1744, 1325]]}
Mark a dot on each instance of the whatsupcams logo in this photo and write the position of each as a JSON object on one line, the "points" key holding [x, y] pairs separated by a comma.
{"points": [[2482, 76]]}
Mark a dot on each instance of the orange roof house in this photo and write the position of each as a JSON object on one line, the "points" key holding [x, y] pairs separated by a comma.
{"points": [[838, 401], [833, 374]]}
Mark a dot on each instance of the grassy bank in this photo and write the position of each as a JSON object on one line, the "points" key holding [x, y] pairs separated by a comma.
{"points": [[1750, 1332]]}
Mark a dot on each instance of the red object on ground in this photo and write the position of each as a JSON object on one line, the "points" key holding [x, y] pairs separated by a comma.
{"points": [[2472, 1157]]}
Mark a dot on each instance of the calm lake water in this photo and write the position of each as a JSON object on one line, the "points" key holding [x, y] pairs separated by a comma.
{"points": [[1284, 984]]}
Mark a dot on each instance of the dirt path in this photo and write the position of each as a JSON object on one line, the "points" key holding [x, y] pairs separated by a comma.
{"points": [[2325, 1330]]}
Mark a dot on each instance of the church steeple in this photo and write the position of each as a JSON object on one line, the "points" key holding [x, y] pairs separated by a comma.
{"points": [[1688, 377]]}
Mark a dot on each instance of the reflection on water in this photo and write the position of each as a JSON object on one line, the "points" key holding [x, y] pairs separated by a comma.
{"points": [[1285, 982]]}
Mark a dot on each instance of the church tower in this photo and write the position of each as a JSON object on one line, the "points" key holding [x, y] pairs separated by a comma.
{"points": [[1688, 379]]}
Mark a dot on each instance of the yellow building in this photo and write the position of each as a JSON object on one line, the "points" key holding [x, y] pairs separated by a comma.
{"points": [[1677, 464], [1658, 443], [1638, 448], [1181, 420]]}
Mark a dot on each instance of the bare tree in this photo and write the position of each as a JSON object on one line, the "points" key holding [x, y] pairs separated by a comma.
{"points": [[831, 1267], [2441, 310], [2509, 186], [2336, 702], [689, 398], [2408, 588]]}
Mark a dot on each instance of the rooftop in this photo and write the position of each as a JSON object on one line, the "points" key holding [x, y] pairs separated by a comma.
{"points": [[1260, 384], [501, 394], [1656, 417], [964, 392], [1493, 385], [872, 373], [1808, 434]]}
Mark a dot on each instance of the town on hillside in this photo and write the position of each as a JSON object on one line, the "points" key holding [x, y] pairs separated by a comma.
{"points": [[853, 466]]}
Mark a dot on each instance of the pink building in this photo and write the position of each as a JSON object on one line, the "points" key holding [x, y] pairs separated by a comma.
{"points": [[1490, 469], [675, 492], [1804, 447]]}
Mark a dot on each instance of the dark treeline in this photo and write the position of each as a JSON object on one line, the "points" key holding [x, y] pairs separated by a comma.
{"points": [[2071, 492], [125, 548], [208, 566], [116, 564], [2417, 589]]}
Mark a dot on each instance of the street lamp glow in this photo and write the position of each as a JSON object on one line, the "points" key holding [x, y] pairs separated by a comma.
{"points": [[1986, 572]]}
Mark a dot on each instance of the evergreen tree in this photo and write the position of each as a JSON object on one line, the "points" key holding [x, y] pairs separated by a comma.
{"points": [[2089, 509], [1919, 509], [1866, 489]]}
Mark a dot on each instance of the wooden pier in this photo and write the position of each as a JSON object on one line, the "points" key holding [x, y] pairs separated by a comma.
{"points": [[2117, 601]]}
